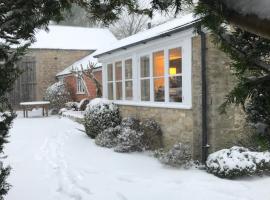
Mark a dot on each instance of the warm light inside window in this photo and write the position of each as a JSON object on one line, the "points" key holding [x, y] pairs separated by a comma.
{"points": [[172, 71]]}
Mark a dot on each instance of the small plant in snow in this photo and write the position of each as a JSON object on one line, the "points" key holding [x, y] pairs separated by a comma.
{"points": [[71, 105], [132, 123], [100, 115], [178, 156], [236, 162], [58, 95], [129, 140], [152, 137], [83, 104], [108, 137]]}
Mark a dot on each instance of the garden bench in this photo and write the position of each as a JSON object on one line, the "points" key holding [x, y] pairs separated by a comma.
{"points": [[35, 104]]}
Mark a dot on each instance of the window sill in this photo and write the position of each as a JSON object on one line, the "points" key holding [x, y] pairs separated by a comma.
{"points": [[80, 93], [153, 104]]}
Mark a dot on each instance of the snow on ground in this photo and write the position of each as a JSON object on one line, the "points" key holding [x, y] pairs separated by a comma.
{"points": [[53, 160]]}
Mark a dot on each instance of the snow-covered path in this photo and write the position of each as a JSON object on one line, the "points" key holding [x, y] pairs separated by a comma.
{"points": [[53, 160]]}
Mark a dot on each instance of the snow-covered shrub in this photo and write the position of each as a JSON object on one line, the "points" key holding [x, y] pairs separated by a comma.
{"points": [[236, 162], [83, 104], [71, 105], [132, 123], [129, 140], [58, 95], [100, 115], [178, 156], [108, 137], [152, 136]]}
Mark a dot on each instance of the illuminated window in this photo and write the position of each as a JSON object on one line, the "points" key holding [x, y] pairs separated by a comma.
{"points": [[145, 78], [175, 75], [158, 75], [128, 80]]}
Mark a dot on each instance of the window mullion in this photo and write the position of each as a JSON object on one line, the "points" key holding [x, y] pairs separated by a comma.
{"points": [[114, 84], [166, 74], [151, 78], [123, 80]]}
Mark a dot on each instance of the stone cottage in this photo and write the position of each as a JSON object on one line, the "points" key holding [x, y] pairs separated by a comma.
{"points": [[81, 86], [52, 52], [177, 77]]}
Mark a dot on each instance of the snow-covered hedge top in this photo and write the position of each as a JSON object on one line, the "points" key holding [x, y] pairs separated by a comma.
{"points": [[4, 115], [56, 88], [98, 102], [236, 158]]}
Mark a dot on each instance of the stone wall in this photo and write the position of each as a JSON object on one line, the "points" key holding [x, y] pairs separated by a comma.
{"points": [[51, 61], [180, 125]]}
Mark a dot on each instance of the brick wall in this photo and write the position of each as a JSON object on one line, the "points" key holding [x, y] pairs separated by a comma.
{"points": [[51, 61], [71, 83]]}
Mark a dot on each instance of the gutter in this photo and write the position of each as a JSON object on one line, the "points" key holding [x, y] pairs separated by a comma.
{"points": [[205, 144]]}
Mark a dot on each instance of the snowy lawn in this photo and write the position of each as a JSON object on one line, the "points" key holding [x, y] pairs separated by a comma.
{"points": [[53, 160]]}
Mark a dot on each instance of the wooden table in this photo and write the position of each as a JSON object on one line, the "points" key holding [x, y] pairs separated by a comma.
{"points": [[35, 104]]}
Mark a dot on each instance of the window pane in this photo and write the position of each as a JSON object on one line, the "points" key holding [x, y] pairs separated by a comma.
{"points": [[118, 71], [110, 91], [110, 72], [159, 89], [175, 61], [175, 92], [158, 63], [145, 69], [145, 90], [128, 89], [128, 69], [118, 90]]}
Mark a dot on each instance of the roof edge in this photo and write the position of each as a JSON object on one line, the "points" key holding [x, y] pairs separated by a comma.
{"points": [[174, 30]]}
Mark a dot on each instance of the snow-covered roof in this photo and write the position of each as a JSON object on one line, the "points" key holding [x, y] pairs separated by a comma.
{"points": [[84, 62], [172, 25], [75, 38]]}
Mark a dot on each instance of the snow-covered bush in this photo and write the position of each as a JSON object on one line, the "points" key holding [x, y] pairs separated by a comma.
{"points": [[108, 137], [129, 140], [152, 136], [58, 95], [178, 156], [236, 162], [71, 105], [83, 104], [132, 123], [100, 115]]}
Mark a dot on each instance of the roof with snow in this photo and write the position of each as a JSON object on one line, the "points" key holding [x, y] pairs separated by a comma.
{"points": [[80, 64], [73, 38], [176, 25]]}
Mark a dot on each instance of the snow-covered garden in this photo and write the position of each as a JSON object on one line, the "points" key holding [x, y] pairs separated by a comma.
{"points": [[52, 158]]}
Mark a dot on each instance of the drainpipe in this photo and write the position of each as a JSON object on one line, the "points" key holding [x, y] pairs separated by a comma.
{"points": [[205, 144]]}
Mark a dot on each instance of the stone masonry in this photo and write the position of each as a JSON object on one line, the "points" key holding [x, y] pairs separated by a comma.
{"points": [[51, 61]]}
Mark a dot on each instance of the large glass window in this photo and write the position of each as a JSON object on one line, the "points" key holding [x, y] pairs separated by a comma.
{"points": [[145, 78], [158, 76], [118, 80], [175, 75], [128, 80]]}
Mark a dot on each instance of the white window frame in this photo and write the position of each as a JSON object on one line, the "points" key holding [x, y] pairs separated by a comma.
{"points": [[80, 86], [136, 53]]}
